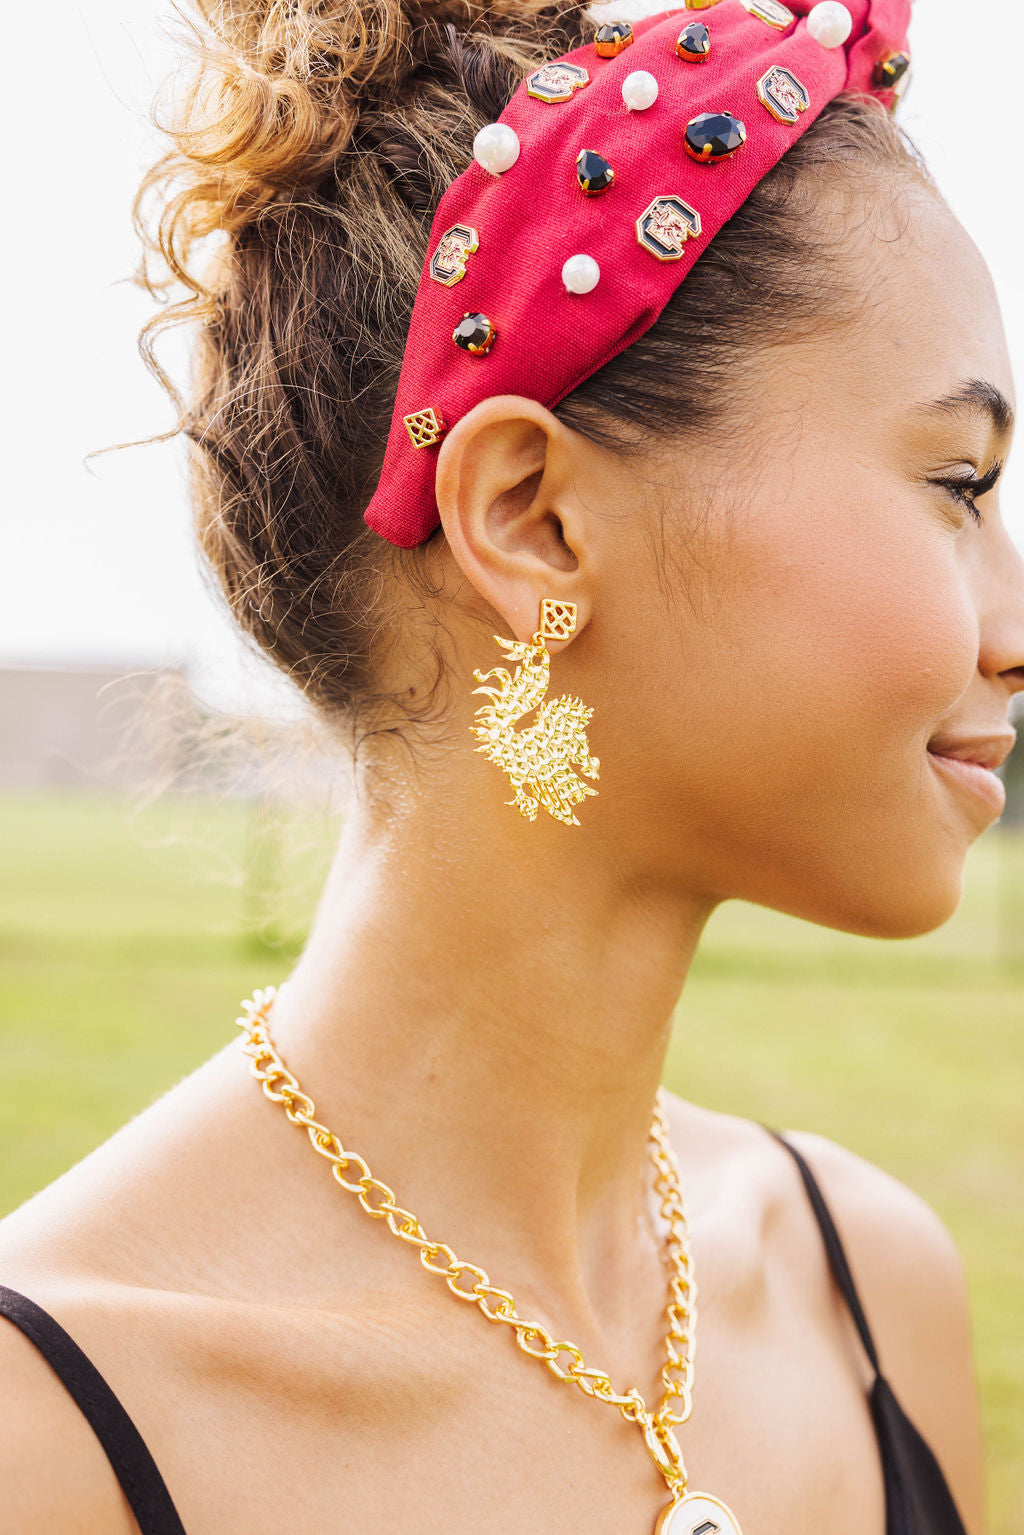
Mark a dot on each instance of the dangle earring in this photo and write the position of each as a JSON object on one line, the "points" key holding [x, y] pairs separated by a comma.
{"points": [[540, 757]]}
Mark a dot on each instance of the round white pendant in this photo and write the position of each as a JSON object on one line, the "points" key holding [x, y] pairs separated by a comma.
{"points": [[640, 90], [580, 274], [496, 147], [829, 23], [697, 1513]]}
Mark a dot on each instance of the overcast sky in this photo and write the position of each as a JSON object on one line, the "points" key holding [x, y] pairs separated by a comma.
{"points": [[99, 563]]}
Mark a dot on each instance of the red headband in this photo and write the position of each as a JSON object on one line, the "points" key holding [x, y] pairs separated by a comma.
{"points": [[499, 239]]}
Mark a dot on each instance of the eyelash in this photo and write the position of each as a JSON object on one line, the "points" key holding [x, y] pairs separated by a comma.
{"points": [[967, 491]]}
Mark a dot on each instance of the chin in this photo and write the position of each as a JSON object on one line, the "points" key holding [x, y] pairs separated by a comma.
{"points": [[909, 892], [902, 907]]}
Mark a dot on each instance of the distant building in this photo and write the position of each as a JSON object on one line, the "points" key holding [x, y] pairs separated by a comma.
{"points": [[113, 729], [65, 726]]}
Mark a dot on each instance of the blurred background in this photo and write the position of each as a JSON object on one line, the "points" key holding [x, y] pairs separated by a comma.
{"points": [[150, 879]]}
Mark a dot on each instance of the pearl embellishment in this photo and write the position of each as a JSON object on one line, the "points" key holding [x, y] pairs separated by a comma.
{"points": [[639, 90], [496, 147], [829, 23], [580, 274]]}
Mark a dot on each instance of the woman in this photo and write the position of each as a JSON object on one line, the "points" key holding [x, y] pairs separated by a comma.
{"points": [[787, 628]]}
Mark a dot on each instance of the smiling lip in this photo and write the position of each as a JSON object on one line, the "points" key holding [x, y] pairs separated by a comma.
{"points": [[971, 775], [987, 751]]}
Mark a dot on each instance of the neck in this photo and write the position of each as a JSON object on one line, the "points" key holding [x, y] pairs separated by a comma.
{"points": [[490, 1036]]}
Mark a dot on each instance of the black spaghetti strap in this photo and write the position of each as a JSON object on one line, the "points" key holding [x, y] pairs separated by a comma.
{"points": [[918, 1499], [134, 1466], [834, 1248]]}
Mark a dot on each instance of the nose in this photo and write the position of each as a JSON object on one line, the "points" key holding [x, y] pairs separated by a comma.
{"points": [[1001, 615]]}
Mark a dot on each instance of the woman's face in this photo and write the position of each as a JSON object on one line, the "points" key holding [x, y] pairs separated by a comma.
{"points": [[768, 683]]}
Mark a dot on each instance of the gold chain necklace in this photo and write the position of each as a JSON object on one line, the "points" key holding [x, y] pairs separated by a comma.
{"points": [[689, 1513]]}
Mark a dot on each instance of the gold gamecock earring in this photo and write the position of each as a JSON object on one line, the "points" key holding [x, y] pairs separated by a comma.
{"points": [[542, 756]]}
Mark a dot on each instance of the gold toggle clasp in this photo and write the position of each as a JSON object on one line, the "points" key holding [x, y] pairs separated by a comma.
{"points": [[663, 1447]]}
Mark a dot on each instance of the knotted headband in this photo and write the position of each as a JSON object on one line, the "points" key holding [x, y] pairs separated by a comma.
{"points": [[607, 174]]}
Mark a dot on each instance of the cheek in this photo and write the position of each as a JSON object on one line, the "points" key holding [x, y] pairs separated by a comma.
{"points": [[881, 628], [845, 633]]}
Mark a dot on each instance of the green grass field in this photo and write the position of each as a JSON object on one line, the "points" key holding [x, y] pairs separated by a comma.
{"points": [[128, 938]]}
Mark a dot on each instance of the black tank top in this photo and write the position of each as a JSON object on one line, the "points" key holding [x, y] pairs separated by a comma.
{"points": [[917, 1498]]}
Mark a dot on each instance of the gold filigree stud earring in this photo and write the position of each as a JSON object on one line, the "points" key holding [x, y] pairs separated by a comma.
{"points": [[541, 757]]}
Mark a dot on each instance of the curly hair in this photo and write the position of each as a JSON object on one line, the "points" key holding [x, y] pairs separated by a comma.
{"points": [[309, 150]]}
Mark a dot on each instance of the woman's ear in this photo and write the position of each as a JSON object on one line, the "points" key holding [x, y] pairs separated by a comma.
{"points": [[504, 487]]}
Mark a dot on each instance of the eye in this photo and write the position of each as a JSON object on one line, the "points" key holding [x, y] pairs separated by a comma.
{"points": [[967, 488]]}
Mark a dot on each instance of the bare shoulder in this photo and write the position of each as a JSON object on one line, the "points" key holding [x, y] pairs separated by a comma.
{"points": [[892, 1227], [54, 1473], [912, 1284], [96, 1249], [906, 1266]]}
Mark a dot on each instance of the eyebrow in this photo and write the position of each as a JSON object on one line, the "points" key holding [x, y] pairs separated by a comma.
{"points": [[976, 396]]}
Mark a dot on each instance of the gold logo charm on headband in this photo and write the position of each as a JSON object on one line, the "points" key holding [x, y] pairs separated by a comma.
{"points": [[456, 245], [771, 11], [782, 93], [665, 225], [424, 427], [556, 82]]}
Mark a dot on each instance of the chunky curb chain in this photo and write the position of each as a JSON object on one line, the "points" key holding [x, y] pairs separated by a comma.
{"points": [[471, 1283]]}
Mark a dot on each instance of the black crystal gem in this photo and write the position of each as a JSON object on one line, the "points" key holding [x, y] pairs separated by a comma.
{"points": [[890, 69], [612, 38], [474, 333], [593, 172], [713, 135], [694, 41]]}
